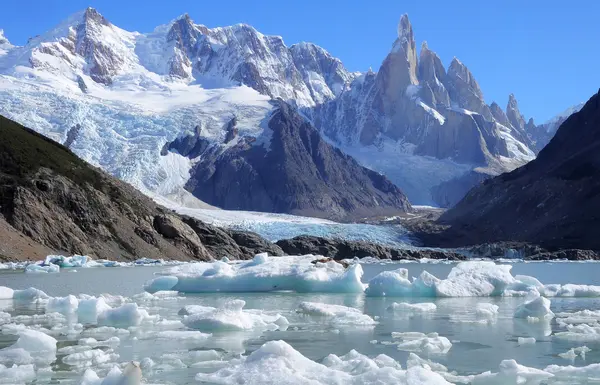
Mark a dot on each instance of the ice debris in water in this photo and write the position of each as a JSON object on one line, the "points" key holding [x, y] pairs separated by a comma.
{"points": [[34, 268], [526, 340], [431, 343], [131, 375], [277, 363], [126, 315], [510, 372], [405, 307], [231, 317], [335, 314], [535, 310], [32, 347], [17, 374], [22, 295], [262, 274], [486, 310]]}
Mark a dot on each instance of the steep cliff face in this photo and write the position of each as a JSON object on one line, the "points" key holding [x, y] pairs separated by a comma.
{"points": [[62, 204], [294, 171], [553, 201]]}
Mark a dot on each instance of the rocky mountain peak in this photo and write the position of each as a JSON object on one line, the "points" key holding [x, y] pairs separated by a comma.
{"points": [[405, 48], [432, 76], [514, 115], [91, 15], [499, 114]]}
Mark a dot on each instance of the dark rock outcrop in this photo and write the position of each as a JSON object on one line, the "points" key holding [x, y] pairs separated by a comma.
{"points": [[58, 202], [553, 201], [342, 249], [298, 173]]}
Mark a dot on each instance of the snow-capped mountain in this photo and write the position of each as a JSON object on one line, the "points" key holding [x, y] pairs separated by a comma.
{"points": [[117, 98], [433, 123]]}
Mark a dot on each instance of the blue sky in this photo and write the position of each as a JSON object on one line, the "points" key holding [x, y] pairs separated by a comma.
{"points": [[545, 52]]}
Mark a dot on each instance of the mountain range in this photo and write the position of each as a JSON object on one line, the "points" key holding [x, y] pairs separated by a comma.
{"points": [[240, 120]]}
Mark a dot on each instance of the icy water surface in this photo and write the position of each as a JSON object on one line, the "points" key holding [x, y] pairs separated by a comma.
{"points": [[477, 346]]}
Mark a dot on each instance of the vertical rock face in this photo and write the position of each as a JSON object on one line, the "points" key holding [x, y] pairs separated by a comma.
{"points": [[552, 201], [298, 173], [514, 115], [432, 76], [499, 114], [465, 91]]}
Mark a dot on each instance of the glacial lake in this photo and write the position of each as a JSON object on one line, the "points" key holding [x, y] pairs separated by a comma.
{"points": [[476, 346]]}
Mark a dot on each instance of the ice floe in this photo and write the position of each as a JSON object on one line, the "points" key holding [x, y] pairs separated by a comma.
{"points": [[276, 362], [231, 316], [131, 375], [32, 347], [335, 314], [408, 308], [431, 343], [262, 274]]}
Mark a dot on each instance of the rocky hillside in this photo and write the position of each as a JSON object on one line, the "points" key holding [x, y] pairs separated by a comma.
{"points": [[294, 171], [50, 200], [553, 201]]}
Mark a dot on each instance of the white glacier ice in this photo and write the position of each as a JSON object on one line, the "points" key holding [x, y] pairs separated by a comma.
{"points": [[486, 310], [277, 363], [129, 314], [526, 340], [431, 343], [32, 347], [231, 316], [335, 314], [63, 305], [131, 375], [262, 274], [405, 307], [510, 372], [537, 309]]}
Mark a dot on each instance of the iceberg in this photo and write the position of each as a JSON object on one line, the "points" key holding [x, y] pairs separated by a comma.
{"points": [[537, 309], [512, 373], [262, 274], [63, 305], [131, 375]]}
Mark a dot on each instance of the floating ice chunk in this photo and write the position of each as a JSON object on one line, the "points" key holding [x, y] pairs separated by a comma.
{"points": [[157, 296], [17, 374], [277, 363], [336, 314], [231, 317], [570, 290], [112, 341], [580, 333], [262, 274], [476, 279], [486, 310], [63, 305], [6, 292], [417, 342], [393, 283], [187, 335], [73, 261], [467, 279], [355, 363], [90, 308], [124, 316], [512, 373], [572, 375], [4, 318], [131, 375], [569, 355], [104, 332], [32, 345], [535, 310], [405, 307], [526, 340], [29, 294], [34, 268], [161, 283], [578, 317], [90, 358]]}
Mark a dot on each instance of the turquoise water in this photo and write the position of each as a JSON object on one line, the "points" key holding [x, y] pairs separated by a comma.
{"points": [[476, 347]]}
